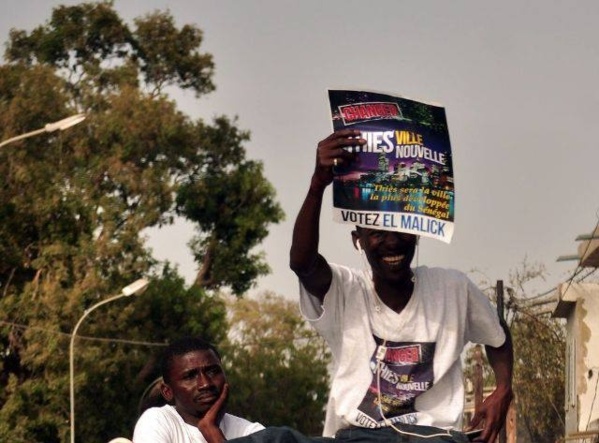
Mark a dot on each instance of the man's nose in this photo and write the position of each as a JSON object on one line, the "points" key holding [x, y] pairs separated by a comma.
{"points": [[204, 380], [397, 238], [392, 237]]}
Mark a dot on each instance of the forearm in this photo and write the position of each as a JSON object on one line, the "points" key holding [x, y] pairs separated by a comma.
{"points": [[494, 409], [306, 231], [501, 360], [311, 267]]}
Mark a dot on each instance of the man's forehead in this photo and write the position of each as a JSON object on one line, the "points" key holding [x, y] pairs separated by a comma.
{"points": [[362, 230], [198, 358]]}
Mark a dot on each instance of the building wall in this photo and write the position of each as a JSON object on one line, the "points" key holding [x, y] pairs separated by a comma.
{"points": [[580, 306]]}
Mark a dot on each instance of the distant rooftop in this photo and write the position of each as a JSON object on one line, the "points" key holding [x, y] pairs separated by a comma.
{"points": [[588, 250]]}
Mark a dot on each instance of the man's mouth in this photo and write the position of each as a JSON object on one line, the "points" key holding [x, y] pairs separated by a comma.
{"points": [[393, 260], [206, 397]]}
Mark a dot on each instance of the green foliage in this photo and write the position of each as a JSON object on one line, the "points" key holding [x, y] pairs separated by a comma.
{"points": [[169, 55], [73, 205], [276, 364], [232, 216], [540, 359], [539, 368]]}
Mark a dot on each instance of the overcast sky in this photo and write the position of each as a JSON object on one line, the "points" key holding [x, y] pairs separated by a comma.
{"points": [[518, 79]]}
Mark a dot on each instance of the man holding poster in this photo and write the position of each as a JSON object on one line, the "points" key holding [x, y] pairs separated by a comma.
{"points": [[396, 332]]}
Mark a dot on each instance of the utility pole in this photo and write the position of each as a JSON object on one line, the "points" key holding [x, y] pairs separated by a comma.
{"points": [[478, 377], [509, 431]]}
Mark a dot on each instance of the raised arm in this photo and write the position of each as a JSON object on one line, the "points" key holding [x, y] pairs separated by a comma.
{"points": [[494, 409], [305, 260]]}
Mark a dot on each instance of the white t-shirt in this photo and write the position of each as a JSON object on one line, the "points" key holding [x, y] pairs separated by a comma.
{"points": [[419, 380], [165, 425]]}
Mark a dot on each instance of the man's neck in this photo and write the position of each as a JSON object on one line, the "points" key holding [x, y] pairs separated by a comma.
{"points": [[395, 294]]}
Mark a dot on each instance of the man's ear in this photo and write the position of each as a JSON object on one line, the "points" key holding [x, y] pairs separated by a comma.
{"points": [[166, 392], [356, 240]]}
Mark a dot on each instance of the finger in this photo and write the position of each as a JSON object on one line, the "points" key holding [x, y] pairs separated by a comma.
{"points": [[490, 439], [338, 149], [345, 152], [476, 419], [342, 139], [218, 404], [346, 133], [346, 144], [342, 134], [223, 395], [337, 157], [489, 434]]}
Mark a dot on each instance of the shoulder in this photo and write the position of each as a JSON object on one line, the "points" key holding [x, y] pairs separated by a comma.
{"points": [[443, 275], [451, 283], [343, 280], [346, 274], [162, 414], [341, 269], [156, 424], [234, 427], [346, 285]]}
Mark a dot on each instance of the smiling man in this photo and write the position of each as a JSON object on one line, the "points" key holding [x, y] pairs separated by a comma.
{"points": [[195, 388], [396, 332]]}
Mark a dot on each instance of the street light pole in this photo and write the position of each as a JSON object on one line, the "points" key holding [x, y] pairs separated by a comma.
{"points": [[60, 125], [134, 288]]}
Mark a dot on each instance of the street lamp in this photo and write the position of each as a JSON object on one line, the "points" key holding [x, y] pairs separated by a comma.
{"points": [[134, 288], [60, 125]]}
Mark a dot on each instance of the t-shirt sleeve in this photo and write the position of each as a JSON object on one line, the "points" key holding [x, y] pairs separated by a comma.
{"points": [[316, 312], [483, 325], [328, 318], [310, 306], [151, 428]]}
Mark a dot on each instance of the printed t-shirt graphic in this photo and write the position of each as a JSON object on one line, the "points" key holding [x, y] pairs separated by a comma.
{"points": [[406, 371]]}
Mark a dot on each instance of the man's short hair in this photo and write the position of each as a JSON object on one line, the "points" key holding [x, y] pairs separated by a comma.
{"points": [[183, 346]]}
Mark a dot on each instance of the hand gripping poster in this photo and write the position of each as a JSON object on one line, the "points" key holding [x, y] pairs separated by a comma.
{"points": [[402, 179]]}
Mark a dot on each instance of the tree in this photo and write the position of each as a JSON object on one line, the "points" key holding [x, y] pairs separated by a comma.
{"points": [[276, 364], [232, 217], [539, 359], [73, 206]]}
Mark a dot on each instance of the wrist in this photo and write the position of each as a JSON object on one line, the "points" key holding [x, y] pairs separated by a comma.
{"points": [[318, 185], [212, 434], [316, 190], [505, 389]]}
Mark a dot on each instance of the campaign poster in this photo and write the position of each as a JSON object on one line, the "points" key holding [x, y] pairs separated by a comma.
{"points": [[402, 179]]}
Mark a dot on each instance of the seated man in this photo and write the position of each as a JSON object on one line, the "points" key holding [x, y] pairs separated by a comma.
{"points": [[196, 389]]}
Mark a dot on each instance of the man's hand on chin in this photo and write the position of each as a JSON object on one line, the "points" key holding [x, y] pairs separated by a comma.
{"points": [[209, 423]]}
